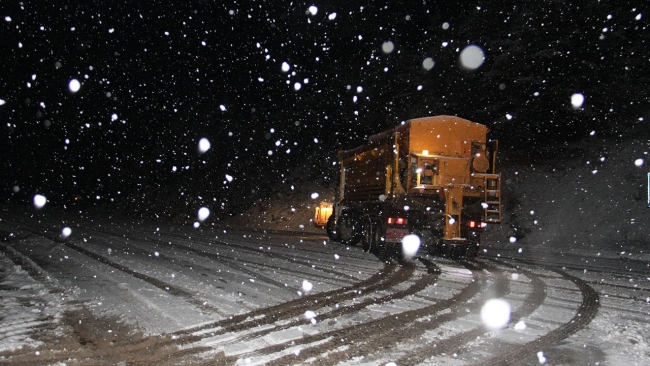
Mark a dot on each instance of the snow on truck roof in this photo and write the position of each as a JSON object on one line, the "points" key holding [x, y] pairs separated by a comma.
{"points": [[427, 126], [437, 121]]}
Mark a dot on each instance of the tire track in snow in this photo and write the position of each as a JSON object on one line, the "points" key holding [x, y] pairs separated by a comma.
{"points": [[384, 279], [620, 266], [230, 262], [359, 340], [24, 325], [277, 318], [234, 262], [388, 277], [454, 343], [174, 290], [585, 313], [31, 268], [245, 245], [167, 287], [189, 340], [402, 275]]}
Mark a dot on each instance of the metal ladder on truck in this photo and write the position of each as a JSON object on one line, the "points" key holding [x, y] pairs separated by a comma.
{"points": [[492, 197]]}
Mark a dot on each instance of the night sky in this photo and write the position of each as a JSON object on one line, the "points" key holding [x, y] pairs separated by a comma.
{"points": [[272, 84]]}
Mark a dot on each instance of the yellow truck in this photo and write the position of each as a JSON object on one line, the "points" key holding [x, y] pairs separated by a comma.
{"points": [[432, 177]]}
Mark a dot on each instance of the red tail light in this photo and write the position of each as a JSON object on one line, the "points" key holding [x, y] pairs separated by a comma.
{"points": [[476, 224], [396, 221]]}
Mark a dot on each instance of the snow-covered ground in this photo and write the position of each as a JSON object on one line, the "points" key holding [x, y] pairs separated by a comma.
{"points": [[25, 304], [125, 282]]}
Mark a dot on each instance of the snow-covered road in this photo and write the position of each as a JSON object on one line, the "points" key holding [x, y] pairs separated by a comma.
{"points": [[119, 290]]}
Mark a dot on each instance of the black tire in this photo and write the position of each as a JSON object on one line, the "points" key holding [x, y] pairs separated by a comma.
{"points": [[433, 249], [330, 227], [386, 251], [372, 234], [348, 228], [440, 249], [472, 250], [380, 247], [368, 233]]}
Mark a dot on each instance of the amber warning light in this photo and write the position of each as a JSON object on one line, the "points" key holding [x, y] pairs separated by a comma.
{"points": [[322, 214]]}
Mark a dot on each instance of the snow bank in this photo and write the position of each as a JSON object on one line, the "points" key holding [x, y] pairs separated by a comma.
{"points": [[591, 197]]}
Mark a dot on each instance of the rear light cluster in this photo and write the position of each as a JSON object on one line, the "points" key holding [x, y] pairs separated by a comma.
{"points": [[476, 224], [396, 221]]}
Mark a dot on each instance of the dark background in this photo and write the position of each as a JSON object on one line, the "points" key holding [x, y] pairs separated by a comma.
{"points": [[166, 69]]}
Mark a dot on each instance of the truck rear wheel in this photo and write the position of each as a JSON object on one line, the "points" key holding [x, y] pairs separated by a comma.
{"points": [[348, 228], [371, 235], [472, 250], [330, 227]]}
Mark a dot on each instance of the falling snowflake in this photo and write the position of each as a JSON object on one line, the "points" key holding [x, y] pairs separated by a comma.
{"points": [[307, 286], [66, 232], [204, 145], [577, 100], [388, 47], [428, 63], [204, 213], [495, 314], [472, 57], [39, 201], [74, 85], [410, 245]]}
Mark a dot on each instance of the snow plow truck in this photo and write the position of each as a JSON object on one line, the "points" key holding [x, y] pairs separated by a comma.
{"points": [[432, 177]]}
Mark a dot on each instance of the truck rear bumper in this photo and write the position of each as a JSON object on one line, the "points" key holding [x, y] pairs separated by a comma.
{"points": [[454, 248]]}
